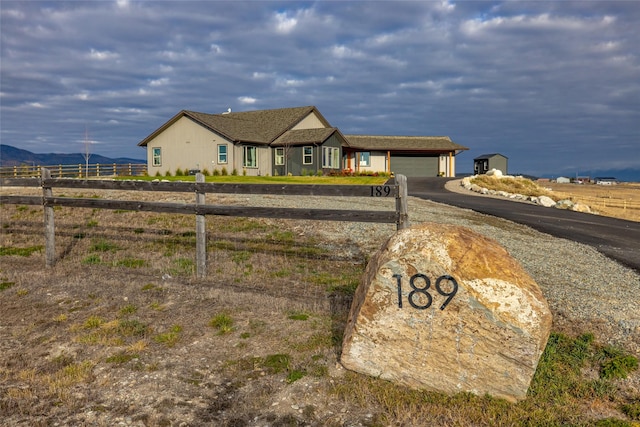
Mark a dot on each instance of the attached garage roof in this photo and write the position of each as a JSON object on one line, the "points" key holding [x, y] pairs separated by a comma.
{"points": [[403, 143]]}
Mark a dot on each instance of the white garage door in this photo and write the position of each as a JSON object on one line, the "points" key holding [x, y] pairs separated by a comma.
{"points": [[414, 165]]}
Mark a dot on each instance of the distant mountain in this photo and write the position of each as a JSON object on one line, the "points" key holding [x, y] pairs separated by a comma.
{"points": [[12, 156]]}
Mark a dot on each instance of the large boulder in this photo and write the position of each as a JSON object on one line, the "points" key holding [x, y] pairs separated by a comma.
{"points": [[546, 201], [444, 308]]}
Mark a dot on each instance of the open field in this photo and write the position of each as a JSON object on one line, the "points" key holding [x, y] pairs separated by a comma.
{"points": [[120, 332], [618, 201]]}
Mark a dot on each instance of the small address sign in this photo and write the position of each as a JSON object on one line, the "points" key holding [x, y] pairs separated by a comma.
{"points": [[380, 191], [417, 291]]}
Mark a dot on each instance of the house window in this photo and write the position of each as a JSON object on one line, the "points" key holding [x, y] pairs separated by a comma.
{"points": [[249, 157], [279, 156], [307, 155], [365, 158], [330, 157], [157, 156], [222, 154]]}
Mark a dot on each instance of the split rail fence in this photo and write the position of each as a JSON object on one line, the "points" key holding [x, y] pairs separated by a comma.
{"points": [[398, 190], [75, 171]]}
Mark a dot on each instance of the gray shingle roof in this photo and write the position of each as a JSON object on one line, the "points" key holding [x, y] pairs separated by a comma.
{"points": [[304, 137], [273, 127], [256, 127], [403, 143], [259, 126]]}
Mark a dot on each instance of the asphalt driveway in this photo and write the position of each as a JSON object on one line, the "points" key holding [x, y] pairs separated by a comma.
{"points": [[616, 238]]}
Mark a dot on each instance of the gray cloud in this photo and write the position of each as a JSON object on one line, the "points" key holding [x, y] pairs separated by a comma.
{"points": [[555, 86]]}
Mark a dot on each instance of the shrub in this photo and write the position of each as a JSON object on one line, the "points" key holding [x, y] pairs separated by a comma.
{"points": [[169, 338], [632, 410], [179, 172], [222, 322], [618, 366]]}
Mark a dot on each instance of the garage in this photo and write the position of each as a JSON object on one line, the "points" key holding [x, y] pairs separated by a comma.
{"points": [[417, 165]]}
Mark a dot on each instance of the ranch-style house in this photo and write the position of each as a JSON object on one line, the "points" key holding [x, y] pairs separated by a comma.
{"points": [[284, 141]]}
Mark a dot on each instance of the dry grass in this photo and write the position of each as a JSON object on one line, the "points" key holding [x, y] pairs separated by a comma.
{"points": [[120, 329], [618, 201]]}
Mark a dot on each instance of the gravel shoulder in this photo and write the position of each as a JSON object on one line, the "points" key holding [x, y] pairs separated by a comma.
{"points": [[585, 289]]}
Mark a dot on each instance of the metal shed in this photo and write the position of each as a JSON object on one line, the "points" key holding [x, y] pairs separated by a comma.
{"points": [[486, 162]]}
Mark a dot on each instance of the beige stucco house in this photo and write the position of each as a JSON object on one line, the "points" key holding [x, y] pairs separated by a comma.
{"points": [[295, 141]]}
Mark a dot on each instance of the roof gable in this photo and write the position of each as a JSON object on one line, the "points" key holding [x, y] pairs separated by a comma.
{"points": [[256, 127], [488, 156], [307, 137]]}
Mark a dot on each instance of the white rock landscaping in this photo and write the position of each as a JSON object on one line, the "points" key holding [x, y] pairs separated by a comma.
{"points": [[545, 201]]}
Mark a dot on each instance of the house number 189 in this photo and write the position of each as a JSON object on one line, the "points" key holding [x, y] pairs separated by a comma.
{"points": [[423, 291]]}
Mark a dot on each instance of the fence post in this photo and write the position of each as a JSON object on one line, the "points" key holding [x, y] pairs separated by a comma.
{"points": [[401, 202], [49, 226], [201, 236]]}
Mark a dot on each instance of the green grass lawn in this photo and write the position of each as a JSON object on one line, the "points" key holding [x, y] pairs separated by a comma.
{"points": [[318, 180]]}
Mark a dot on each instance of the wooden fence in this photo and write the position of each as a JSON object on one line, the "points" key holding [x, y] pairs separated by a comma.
{"points": [[609, 201], [75, 171], [200, 209]]}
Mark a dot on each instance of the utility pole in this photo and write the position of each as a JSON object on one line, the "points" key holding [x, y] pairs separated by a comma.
{"points": [[87, 152]]}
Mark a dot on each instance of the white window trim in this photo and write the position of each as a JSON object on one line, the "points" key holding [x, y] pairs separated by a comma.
{"points": [[158, 157], [279, 156], [305, 156], [330, 157], [365, 163], [226, 154], [244, 156]]}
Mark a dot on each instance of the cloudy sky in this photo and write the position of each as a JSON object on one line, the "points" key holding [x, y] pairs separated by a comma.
{"points": [[552, 85]]}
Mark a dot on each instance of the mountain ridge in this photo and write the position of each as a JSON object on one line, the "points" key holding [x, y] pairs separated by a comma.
{"points": [[13, 156]]}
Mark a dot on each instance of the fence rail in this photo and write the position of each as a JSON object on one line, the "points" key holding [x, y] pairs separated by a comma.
{"points": [[75, 171], [609, 202], [200, 209]]}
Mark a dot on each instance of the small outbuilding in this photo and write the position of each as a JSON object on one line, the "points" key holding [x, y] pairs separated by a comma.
{"points": [[605, 180], [484, 163]]}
